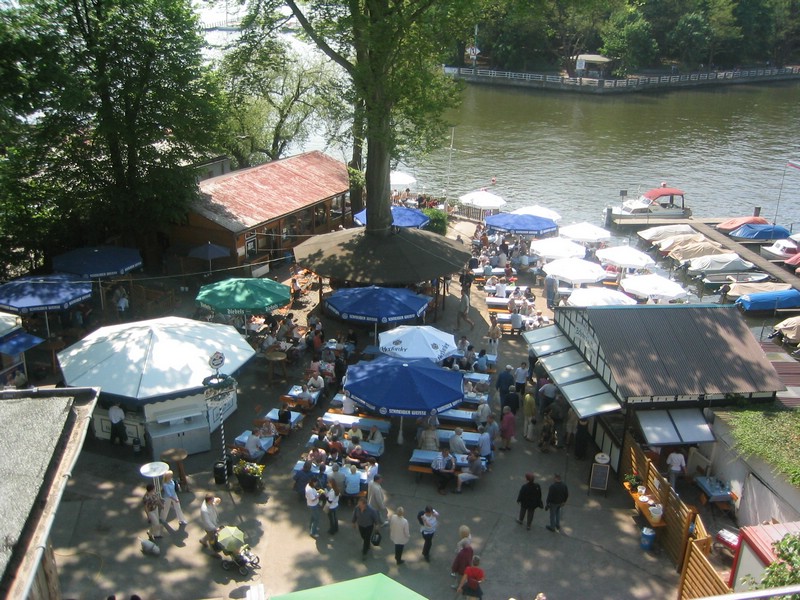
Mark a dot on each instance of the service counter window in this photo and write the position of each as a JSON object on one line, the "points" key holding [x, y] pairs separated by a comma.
{"points": [[338, 206], [320, 216]]}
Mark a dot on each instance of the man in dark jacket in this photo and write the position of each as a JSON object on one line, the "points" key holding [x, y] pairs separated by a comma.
{"points": [[529, 499], [366, 519], [504, 381], [557, 497]]}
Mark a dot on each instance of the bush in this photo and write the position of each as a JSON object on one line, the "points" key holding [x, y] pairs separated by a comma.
{"points": [[438, 219]]}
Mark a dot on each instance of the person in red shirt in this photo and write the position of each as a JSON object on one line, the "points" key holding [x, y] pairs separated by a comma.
{"points": [[470, 585]]}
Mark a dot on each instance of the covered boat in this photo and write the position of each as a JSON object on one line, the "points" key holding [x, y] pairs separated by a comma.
{"points": [[781, 249], [737, 222], [668, 244], [760, 232], [789, 329], [769, 301], [659, 203], [653, 234], [692, 250], [718, 263], [741, 289]]}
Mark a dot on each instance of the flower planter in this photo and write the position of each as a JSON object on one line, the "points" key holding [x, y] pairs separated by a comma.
{"points": [[249, 483]]}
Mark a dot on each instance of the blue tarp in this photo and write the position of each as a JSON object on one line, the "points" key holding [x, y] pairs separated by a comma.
{"points": [[377, 304], [18, 342], [41, 293], [393, 386], [521, 224], [751, 231], [98, 261], [769, 300], [401, 217]]}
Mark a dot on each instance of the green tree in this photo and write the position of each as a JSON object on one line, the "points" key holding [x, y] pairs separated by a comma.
{"points": [[120, 104], [722, 27], [785, 570], [391, 51], [689, 39], [628, 38]]}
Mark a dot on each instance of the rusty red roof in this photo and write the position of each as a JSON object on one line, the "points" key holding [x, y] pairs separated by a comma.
{"points": [[243, 199]]}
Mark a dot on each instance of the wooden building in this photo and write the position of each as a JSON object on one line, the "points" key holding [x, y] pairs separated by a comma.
{"points": [[261, 213]]}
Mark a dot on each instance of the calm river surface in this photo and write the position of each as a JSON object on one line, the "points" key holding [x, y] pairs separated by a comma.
{"points": [[726, 147]]}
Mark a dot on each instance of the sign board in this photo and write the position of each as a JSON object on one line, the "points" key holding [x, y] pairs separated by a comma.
{"points": [[598, 480], [580, 64], [473, 52]]}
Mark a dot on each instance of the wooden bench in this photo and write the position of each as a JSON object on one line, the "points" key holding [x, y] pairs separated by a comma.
{"points": [[420, 470], [275, 448]]}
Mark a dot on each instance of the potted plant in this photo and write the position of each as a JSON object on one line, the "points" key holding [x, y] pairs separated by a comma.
{"points": [[248, 474], [632, 480]]}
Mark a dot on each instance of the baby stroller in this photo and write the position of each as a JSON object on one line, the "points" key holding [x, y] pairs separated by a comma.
{"points": [[235, 552]]}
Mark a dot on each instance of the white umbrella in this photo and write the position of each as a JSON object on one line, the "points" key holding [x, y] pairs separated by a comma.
{"points": [[575, 270], [400, 178], [625, 257], [417, 341], [550, 248], [653, 286], [482, 199], [147, 359], [584, 232], [538, 211], [598, 296]]}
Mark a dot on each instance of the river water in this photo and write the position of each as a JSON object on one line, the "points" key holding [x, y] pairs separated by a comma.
{"points": [[726, 147]]}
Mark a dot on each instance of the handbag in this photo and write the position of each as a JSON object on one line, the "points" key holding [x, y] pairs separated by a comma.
{"points": [[376, 538]]}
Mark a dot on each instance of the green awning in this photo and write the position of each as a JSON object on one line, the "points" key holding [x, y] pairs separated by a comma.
{"points": [[372, 587]]}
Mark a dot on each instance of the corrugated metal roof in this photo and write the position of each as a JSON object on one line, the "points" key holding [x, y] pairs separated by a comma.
{"points": [[240, 200], [681, 350]]}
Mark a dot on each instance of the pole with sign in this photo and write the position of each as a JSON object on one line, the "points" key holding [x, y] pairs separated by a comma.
{"points": [[217, 387]]}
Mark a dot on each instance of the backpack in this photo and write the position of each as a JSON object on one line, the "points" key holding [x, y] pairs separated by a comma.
{"points": [[419, 517]]}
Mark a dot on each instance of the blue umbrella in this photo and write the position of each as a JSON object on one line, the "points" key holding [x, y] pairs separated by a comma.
{"points": [[521, 224], [393, 386], [98, 261], [401, 217], [209, 252], [45, 293]]}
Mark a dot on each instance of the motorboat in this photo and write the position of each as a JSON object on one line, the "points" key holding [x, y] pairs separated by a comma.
{"points": [[760, 232], [654, 234], [658, 203], [781, 249], [668, 244], [740, 289], [716, 280], [736, 222], [769, 301], [686, 252], [718, 263]]}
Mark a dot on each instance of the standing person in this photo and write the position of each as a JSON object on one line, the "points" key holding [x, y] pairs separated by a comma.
{"points": [[399, 533], [521, 377], [494, 334], [512, 399], [117, 417], [429, 519], [529, 499], [465, 279], [677, 466], [463, 310], [377, 499], [366, 519], [464, 554], [582, 438], [508, 428], [504, 381], [312, 502], [529, 416], [332, 505], [170, 497], [472, 579], [209, 518], [152, 505], [559, 410], [557, 496], [485, 446], [571, 426]]}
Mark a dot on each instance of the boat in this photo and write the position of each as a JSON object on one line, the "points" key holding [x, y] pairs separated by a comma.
{"points": [[718, 263], [654, 234], [741, 289], [715, 280], [737, 222], [688, 251], [781, 249], [760, 232], [769, 301], [668, 244], [658, 203]]}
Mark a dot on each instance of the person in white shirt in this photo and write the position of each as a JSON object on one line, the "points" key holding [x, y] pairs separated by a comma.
{"points": [[253, 446], [117, 417], [399, 533], [375, 437], [208, 520], [348, 405], [312, 502], [677, 465], [316, 382]]}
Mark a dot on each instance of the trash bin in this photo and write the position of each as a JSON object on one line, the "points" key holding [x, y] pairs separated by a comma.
{"points": [[219, 472], [288, 257], [648, 538], [137, 445]]}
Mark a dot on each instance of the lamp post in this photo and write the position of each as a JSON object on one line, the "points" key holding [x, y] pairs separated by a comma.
{"points": [[217, 387]]}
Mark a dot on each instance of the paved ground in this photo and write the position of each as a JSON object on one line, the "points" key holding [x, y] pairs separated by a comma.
{"points": [[596, 555]]}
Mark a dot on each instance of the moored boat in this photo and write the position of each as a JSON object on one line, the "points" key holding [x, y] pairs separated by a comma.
{"points": [[767, 231], [781, 249], [719, 279], [658, 203], [718, 263]]}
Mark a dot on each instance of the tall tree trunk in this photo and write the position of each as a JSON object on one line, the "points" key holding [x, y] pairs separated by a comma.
{"points": [[357, 160], [379, 212]]}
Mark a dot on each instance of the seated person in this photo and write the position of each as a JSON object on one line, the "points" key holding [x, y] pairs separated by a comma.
{"points": [[305, 396], [328, 353], [335, 444], [512, 304], [444, 468], [284, 414], [253, 446], [371, 467], [491, 281], [468, 387], [316, 382], [335, 457], [509, 271], [323, 442], [351, 342], [481, 366], [336, 430], [354, 432], [472, 472], [469, 358], [517, 322], [375, 437], [269, 342], [429, 440], [500, 288], [320, 427], [462, 344], [352, 481], [529, 295], [356, 456], [481, 415], [481, 387], [318, 456], [456, 443], [267, 429], [315, 364]]}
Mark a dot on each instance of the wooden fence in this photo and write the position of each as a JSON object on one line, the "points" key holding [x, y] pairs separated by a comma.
{"points": [[699, 579]]}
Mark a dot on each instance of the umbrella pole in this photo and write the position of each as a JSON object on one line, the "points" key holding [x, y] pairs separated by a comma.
{"points": [[47, 324], [376, 333], [400, 433]]}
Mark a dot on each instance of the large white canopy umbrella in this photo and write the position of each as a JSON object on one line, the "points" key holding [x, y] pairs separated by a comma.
{"points": [[552, 248], [625, 257], [149, 359], [598, 296], [417, 341], [653, 286], [400, 178], [538, 211], [585, 232], [575, 270], [482, 199]]}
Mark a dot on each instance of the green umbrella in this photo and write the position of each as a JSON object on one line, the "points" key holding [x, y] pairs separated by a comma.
{"points": [[244, 296], [372, 587], [230, 538]]}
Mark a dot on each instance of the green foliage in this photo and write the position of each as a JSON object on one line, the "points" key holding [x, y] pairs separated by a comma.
{"points": [[689, 40], [628, 38], [772, 434], [438, 220], [784, 571]]}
